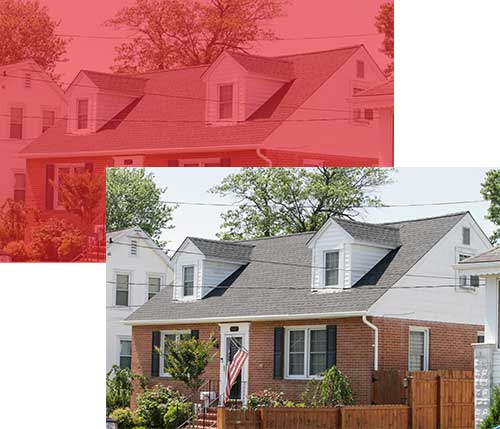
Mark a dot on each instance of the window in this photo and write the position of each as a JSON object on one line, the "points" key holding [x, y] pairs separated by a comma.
{"points": [[133, 247], [225, 101], [480, 337], [19, 186], [16, 122], [418, 356], [474, 281], [154, 284], [331, 268], [167, 338], [356, 114], [188, 280], [305, 352], [122, 289], [63, 171], [466, 236], [83, 114], [357, 90], [125, 354], [27, 80], [48, 119], [369, 114], [360, 69]]}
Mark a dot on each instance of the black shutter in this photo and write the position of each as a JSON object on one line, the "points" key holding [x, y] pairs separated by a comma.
{"points": [[279, 352], [331, 346], [225, 162], [49, 187], [89, 167], [172, 163], [155, 356], [195, 333]]}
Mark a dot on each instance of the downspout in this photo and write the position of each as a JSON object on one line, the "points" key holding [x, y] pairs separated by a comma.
{"points": [[375, 345], [264, 157]]}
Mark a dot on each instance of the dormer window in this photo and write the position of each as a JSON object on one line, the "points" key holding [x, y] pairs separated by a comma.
{"points": [[332, 268], [188, 281], [226, 101], [83, 114]]}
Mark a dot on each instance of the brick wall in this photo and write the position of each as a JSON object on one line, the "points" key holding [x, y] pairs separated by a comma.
{"points": [[449, 349]]}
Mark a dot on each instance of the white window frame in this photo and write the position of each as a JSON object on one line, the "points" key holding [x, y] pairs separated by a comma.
{"points": [[198, 162], [233, 110], [323, 270], [124, 273], [426, 331], [16, 171], [307, 329], [72, 168], [155, 275], [46, 109], [77, 125], [23, 121], [178, 334], [193, 296], [464, 277], [119, 339]]}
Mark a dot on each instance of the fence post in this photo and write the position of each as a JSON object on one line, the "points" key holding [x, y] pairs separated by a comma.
{"points": [[221, 418]]}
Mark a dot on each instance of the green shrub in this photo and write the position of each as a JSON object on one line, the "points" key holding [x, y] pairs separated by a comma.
{"points": [[153, 404], [124, 417], [18, 251], [119, 387], [332, 389], [267, 398], [493, 417], [177, 413]]}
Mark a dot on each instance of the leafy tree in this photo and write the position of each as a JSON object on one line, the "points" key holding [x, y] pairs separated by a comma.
{"points": [[384, 23], [493, 418], [189, 32], [490, 190], [274, 201], [82, 194], [119, 387], [134, 199], [13, 217], [187, 359], [28, 31], [331, 390]]}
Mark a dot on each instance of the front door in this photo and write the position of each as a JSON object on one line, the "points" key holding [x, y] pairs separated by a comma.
{"points": [[234, 336]]}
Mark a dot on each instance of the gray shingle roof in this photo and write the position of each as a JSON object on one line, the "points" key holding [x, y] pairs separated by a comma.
{"points": [[492, 255], [265, 289], [380, 234], [223, 249]]}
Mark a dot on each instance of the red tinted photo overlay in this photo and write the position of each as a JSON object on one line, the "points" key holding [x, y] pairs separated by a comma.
{"points": [[283, 84]]}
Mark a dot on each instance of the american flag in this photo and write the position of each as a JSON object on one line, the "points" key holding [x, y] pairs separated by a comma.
{"points": [[234, 369]]}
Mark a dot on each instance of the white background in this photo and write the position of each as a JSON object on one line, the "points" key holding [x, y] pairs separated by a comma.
{"points": [[52, 317]]}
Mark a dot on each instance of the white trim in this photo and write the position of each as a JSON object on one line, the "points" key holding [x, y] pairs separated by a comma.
{"points": [[252, 318], [119, 339], [426, 331], [163, 281], [201, 162], [340, 260], [125, 273], [182, 295], [177, 333], [307, 336], [234, 87]]}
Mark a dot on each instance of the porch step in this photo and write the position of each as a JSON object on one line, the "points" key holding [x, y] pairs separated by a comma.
{"points": [[205, 420]]}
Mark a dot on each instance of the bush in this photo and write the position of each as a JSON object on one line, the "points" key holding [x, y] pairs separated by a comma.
{"points": [[152, 404], [18, 251], [493, 417], [331, 390], [124, 417], [268, 398], [119, 387], [72, 244], [177, 413]]}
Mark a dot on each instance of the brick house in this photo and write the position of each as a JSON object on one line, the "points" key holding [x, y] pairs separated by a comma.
{"points": [[358, 295]]}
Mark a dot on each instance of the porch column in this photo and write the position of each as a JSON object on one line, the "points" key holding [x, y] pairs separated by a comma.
{"points": [[483, 380]]}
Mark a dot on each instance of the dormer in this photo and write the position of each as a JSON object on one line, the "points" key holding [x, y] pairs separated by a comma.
{"points": [[95, 98], [344, 251], [238, 84], [200, 265]]}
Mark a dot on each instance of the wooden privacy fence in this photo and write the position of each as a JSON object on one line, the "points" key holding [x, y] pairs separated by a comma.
{"points": [[354, 417]]}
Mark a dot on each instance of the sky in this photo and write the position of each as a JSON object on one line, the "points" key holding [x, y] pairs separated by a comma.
{"points": [[304, 19], [410, 186]]}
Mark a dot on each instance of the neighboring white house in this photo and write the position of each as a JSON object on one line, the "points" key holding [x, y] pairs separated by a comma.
{"points": [[136, 270], [30, 103], [487, 354]]}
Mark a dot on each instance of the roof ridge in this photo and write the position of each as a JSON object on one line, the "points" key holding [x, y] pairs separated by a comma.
{"points": [[170, 70], [260, 57], [112, 74], [280, 236], [380, 225], [321, 52], [427, 218], [218, 241]]}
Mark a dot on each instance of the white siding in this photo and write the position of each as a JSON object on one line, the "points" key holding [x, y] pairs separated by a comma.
{"points": [[190, 255], [214, 272], [83, 89], [446, 304], [363, 259], [139, 268], [496, 367]]}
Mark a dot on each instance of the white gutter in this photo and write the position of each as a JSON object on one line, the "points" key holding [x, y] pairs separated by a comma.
{"points": [[247, 318], [264, 157], [375, 345]]}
